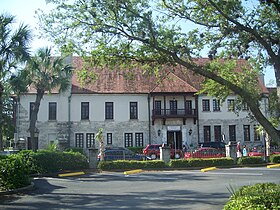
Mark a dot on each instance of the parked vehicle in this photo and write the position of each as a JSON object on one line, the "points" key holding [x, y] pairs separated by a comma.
{"points": [[152, 151], [260, 152], [120, 153], [215, 144], [205, 152], [9, 152]]}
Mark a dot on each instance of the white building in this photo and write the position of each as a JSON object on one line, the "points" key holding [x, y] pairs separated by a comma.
{"points": [[135, 109]]}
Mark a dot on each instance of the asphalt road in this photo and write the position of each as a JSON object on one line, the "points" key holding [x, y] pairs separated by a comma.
{"points": [[147, 190]]}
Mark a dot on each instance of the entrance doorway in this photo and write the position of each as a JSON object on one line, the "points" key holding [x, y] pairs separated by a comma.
{"points": [[174, 139]]}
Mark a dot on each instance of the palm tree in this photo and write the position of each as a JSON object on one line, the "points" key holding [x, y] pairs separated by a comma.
{"points": [[14, 49], [45, 73]]}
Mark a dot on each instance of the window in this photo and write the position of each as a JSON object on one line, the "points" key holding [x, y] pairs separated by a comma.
{"points": [[245, 107], [173, 107], [128, 140], [139, 141], [84, 110], [90, 140], [205, 105], [31, 107], [109, 138], [52, 110], [79, 140], [231, 105], [257, 136], [218, 132], [157, 107], [133, 110], [216, 105], [206, 133], [188, 107], [232, 133], [109, 110], [246, 131]]}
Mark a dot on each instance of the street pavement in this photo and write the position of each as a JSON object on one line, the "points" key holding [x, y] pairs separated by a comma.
{"points": [[179, 189]]}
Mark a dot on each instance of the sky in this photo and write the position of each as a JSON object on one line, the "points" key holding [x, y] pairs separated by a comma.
{"points": [[24, 10]]}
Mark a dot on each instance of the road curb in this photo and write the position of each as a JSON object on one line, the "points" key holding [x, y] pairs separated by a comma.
{"points": [[273, 166], [208, 169], [133, 172], [72, 174]]}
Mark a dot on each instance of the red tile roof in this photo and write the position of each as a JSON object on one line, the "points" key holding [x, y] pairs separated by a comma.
{"points": [[171, 79]]}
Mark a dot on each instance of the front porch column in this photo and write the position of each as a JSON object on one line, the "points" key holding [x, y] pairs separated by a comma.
{"points": [[184, 137], [164, 136]]}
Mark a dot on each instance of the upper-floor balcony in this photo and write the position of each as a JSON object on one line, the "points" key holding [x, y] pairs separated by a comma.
{"points": [[174, 113]]}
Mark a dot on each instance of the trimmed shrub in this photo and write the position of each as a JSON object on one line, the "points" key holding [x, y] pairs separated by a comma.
{"points": [[274, 158], [14, 172], [76, 149], [127, 164], [45, 161], [198, 162], [250, 160], [256, 197]]}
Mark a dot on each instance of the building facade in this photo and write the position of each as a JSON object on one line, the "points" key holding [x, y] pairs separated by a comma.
{"points": [[135, 110]]}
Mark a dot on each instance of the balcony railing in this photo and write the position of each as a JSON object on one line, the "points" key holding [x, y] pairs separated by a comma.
{"points": [[174, 113]]}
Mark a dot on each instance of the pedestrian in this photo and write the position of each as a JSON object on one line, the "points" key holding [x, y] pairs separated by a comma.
{"points": [[244, 151], [184, 150], [238, 150]]}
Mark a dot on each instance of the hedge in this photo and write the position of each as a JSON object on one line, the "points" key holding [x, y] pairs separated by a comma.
{"points": [[14, 172], [256, 197], [198, 162], [133, 164], [274, 158], [250, 160]]}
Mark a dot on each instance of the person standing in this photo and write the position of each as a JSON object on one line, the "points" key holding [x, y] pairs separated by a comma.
{"points": [[244, 151], [238, 150]]}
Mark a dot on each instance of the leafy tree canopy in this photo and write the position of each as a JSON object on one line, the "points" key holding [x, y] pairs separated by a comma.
{"points": [[156, 32]]}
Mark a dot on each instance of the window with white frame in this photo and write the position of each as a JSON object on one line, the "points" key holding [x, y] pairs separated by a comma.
{"points": [[84, 110], [90, 142], [231, 105], [216, 105], [109, 113], [246, 132], [257, 136], [52, 110], [79, 140], [139, 140], [218, 132], [205, 105], [31, 108], [133, 110], [128, 139], [109, 138]]}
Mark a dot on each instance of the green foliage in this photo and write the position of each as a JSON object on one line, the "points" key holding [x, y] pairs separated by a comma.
{"points": [[255, 197], [45, 161], [198, 162], [75, 149], [274, 158], [126, 164], [250, 160], [137, 150], [14, 172]]}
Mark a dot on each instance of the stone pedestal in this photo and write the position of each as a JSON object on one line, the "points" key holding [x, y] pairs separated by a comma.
{"points": [[165, 153], [92, 156], [231, 150]]}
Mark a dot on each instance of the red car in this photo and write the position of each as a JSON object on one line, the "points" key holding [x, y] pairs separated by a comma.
{"points": [[153, 151], [256, 152], [206, 152]]}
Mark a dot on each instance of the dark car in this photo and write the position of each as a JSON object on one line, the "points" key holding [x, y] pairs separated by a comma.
{"points": [[120, 153], [215, 144], [153, 152], [205, 152]]}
